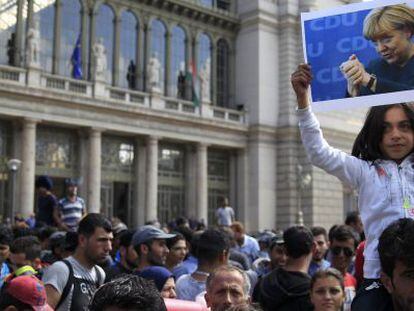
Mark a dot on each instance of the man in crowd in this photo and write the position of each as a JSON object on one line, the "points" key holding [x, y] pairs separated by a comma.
{"points": [[56, 250], [71, 208], [70, 284], [25, 256], [245, 243], [127, 293], [342, 248], [150, 245], [128, 257], [287, 288], [353, 219], [227, 286], [24, 293], [213, 251], [46, 202], [224, 213], [396, 252], [320, 237], [6, 238]]}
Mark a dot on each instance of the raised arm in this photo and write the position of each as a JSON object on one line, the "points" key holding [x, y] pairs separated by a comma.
{"points": [[347, 168]]}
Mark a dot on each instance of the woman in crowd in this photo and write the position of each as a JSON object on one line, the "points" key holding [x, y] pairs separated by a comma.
{"points": [[391, 29], [163, 279], [327, 290]]}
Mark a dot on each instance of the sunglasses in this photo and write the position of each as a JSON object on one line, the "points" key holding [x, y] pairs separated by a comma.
{"points": [[348, 252]]}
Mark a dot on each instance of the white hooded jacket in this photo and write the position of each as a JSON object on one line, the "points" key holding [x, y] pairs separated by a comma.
{"points": [[386, 189]]}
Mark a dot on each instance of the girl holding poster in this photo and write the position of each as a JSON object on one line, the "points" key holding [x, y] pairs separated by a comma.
{"points": [[381, 168], [391, 29]]}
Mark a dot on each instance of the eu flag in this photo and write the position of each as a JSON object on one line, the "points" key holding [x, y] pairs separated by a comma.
{"points": [[76, 60]]}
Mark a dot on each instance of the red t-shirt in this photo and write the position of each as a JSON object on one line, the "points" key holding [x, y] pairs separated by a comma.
{"points": [[350, 290]]}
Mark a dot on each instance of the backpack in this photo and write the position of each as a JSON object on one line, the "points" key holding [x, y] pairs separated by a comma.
{"points": [[69, 282]]}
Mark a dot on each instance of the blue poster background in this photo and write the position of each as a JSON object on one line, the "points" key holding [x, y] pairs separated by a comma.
{"points": [[330, 41]]}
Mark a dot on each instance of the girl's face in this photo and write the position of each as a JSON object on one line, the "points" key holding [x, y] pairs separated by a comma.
{"points": [[398, 138], [327, 294], [394, 47]]}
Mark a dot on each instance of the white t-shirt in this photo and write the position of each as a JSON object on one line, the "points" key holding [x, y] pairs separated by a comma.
{"points": [[225, 215]]}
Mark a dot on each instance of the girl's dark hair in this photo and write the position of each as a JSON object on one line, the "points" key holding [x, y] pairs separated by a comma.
{"points": [[366, 145], [324, 273]]}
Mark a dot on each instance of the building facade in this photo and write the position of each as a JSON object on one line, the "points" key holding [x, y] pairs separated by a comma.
{"points": [[161, 107]]}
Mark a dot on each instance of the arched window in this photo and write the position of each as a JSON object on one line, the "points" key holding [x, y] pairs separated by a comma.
{"points": [[8, 21], [70, 33], [178, 62], [44, 15], [204, 66], [222, 73], [128, 44], [158, 47], [104, 26]]}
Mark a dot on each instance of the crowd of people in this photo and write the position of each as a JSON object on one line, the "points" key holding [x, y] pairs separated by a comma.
{"points": [[62, 258], [104, 265]]}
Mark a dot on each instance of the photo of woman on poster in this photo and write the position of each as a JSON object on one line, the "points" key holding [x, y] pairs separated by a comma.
{"points": [[391, 29]]}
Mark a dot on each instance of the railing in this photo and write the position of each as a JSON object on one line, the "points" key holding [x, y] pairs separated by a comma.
{"points": [[79, 87], [129, 96], [14, 74], [117, 95]]}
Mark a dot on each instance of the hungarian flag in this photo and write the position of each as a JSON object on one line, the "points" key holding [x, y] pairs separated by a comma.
{"points": [[192, 78]]}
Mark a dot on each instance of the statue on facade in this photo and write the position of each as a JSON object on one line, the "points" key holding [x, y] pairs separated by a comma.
{"points": [[131, 75], [181, 81], [154, 73], [205, 77], [99, 60], [33, 45], [11, 49]]}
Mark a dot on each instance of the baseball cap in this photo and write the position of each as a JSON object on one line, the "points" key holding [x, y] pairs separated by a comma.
{"points": [[148, 232], [29, 290]]}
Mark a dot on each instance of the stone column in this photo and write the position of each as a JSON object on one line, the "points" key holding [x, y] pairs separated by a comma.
{"points": [[138, 212], [92, 39], [167, 78], [84, 44], [231, 88], [117, 48], [28, 167], [94, 180], [19, 35], [83, 161], [242, 193], [188, 60], [147, 56], [213, 78], [139, 58], [190, 182], [151, 212], [202, 183], [57, 35]]}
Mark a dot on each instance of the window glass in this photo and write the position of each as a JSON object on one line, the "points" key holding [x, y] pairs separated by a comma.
{"points": [[128, 43], [178, 62], [104, 26], [70, 33]]}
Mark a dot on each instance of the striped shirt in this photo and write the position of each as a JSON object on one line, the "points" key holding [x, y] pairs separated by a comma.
{"points": [[71, 212]]}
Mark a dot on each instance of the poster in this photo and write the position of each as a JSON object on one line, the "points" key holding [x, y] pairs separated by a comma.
{"points": [[330, 37]]}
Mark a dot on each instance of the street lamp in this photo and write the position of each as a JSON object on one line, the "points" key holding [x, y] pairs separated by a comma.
{"points": [[13, 165], [304, 181]]}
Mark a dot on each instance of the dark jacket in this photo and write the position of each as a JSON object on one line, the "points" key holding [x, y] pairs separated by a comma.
{"points": [[282, 290]]}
